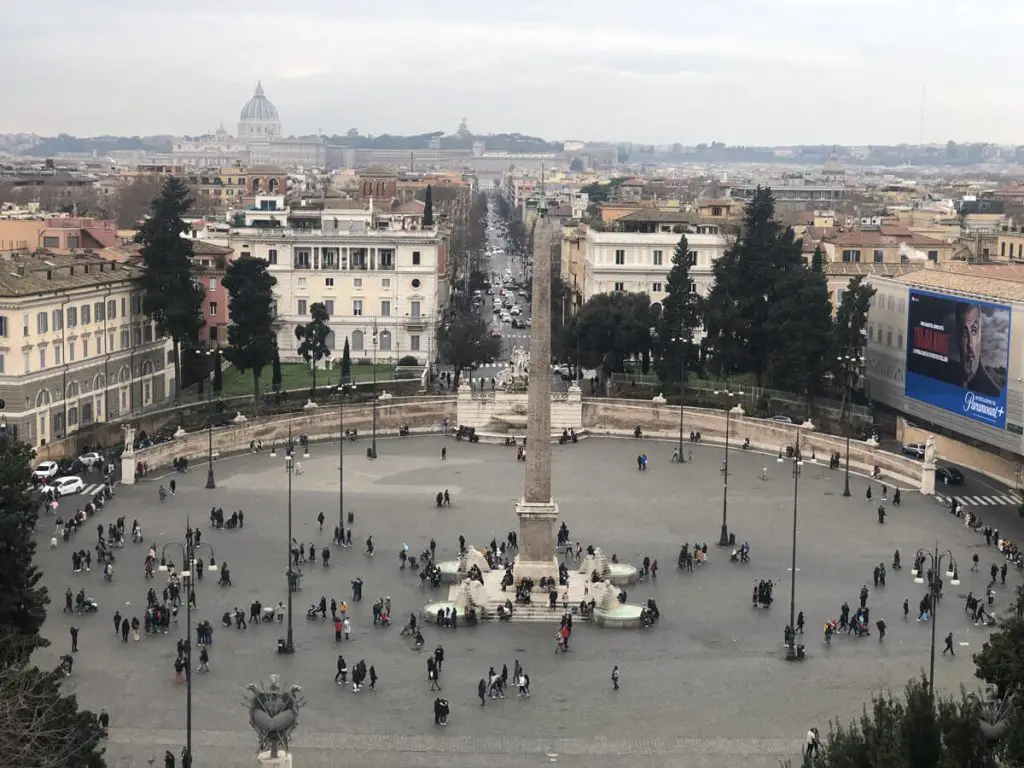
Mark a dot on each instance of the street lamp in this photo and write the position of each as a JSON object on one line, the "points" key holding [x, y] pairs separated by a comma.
{"points": [[188, 558], [723, 539], [935, 559], [791, 651], [341, 456], [210, 482], [288, 644], [846, 486], [371, 452], [683, 347]]}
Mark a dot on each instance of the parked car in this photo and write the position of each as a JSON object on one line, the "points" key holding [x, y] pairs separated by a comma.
{"points": [[68, 485], [46, 470], [949, 476], [913, 449], [781, 419]]}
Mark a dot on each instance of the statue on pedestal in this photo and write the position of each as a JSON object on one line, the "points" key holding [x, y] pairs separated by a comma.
{"points": [[930, 453], [273, 713], [129, 440]]}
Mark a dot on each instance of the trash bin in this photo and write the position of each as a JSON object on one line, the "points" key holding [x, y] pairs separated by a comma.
{"points": [[370, 453], [351, 517], [732, 539], [281, 645]]}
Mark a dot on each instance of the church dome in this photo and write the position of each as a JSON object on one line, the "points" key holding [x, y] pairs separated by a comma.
{"points": [[259, 108]]}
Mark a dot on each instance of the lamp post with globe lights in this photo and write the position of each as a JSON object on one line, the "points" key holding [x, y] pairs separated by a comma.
{"points": [[935, 560], [723, 539]]}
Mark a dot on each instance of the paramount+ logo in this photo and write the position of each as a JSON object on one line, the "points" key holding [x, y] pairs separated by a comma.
{"points": [[988, 409]]}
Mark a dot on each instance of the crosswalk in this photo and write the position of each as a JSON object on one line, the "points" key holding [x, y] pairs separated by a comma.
{"points": [[92, 490], [998, 500]]}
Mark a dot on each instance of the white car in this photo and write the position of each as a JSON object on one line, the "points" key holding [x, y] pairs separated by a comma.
{"points": [[506, 318], [68, 485], [91, 459], [46, 470], [514, 310]]}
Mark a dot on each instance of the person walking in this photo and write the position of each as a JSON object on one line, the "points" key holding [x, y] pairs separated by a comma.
{"points": [[204, 660], [125, 629], [481, 691], [347, 628], [337, 629], [444, 453], [74, 639], [341, 676], [135, 629], [117, 622], [373, 678], [949, 645], [800, 622], [812, 744], [615, 677]]}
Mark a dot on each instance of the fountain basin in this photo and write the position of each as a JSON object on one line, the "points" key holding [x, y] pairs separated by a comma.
{"points": [[429, 612], [622, 574], [449, 571], [621, 616]]}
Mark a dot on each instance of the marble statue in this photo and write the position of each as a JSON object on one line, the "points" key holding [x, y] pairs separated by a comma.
{"points": [[129, 440], [929, 452], [273, 713]]}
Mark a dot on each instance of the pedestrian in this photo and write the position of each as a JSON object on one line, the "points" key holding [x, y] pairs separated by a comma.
{"points": [[974, 561], [135, 629], [68, 608], [337, 629], [341, 676], [347, 628], [800, 622], [615, 677], [949, 645], [906, 609], [881, 629], [444, 453], [74, 639], [813, 742], [373, 678], [1002, 574], [320, 519], [125, 629], [867, 496], [173, 486], [204, 660], [117, 622], [481, 691]]}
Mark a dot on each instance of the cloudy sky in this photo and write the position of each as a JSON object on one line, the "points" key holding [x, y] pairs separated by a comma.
{"points": [[745, 71]]}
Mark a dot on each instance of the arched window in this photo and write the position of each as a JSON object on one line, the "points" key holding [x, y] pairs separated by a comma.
{"points": [[255, 186], [43, 397], [99, 382], [147, 367], [329, 340], [124, 375], [272, 186], [73, 390], [357, 341], [385, 341]]}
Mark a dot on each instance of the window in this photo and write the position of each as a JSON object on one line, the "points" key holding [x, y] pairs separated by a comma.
{"points": [[620, 287], [57, 319], [126, 340], [357, 309], [385, 341], [42, 322], [839, 296], [1002, 249], [71, 351], [213, 283], [136, 336], [888, 338], [655, 287], [302, 259], [24, 324], [51, 242], [86, 314], [620, 257], [147, 333], [329, 282], [85, 348], [124, 306], [415, 282], [357, 282], [385, 309], [98, 311], [57, 356], [73, 241], [3, 327], [899, 306], [891, 304], [414, 345], [385, 284], [329, 306], [1, 362], [42, 357], [213, 307], [693, 258], [871, 332], [415, 258], [386, 258], [414, 308], [879, 256], [850, 256], [330, 258], [656, 256], [72, 415], [110, 342], [72, 317], [899, 341], [693, 287], [111, 310], [302, 308], [302, 282], [272, 255], [213, 333], [933, 255], [357, 341], [25, 362], [136, 304]]}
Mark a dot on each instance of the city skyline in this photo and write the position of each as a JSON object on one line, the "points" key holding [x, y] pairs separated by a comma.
{"points": [[770, 73]]}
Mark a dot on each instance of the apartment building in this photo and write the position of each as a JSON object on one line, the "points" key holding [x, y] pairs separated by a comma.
{"points": [[75, 348], [639, 261], [378, 280], [886, 245]]}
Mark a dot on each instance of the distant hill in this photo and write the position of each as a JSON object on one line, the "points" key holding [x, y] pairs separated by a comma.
{"points": [[55, 145], [500, 142]]}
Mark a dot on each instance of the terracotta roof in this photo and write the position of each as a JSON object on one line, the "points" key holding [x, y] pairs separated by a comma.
{"points": [[655, 215], [206, 248], [852, 269], [27, 275], [869, 238], [415, 207], [378, 171], [989, 281], [564, 210]]}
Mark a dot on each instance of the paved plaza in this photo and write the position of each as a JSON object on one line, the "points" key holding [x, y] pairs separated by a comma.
{"points": [[707, 686]]}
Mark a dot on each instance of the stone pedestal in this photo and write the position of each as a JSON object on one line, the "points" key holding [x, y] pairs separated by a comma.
{"points": [[128, 469], [928, 479], [536, 556], [283, 760]]}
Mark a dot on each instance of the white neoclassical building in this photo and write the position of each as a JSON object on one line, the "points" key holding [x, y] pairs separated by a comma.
{"points": [[378, 280]]}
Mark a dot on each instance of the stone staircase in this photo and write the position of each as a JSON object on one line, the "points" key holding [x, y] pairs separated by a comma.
{"points": [[536, 612]]}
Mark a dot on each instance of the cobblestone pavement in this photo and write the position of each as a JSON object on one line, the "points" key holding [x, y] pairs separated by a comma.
{"points": [[707, 686]]}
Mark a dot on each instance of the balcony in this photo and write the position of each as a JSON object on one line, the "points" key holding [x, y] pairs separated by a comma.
{"points": [[387, 267], [302, 264], [417, 323]]}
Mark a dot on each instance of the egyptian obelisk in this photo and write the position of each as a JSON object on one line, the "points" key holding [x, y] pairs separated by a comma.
{"points": [[537, 511]]}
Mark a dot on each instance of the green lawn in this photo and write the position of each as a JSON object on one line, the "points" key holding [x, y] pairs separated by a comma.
{"points": [[298, 376]]}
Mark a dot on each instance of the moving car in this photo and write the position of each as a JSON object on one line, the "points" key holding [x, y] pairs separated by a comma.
{"points": [[913, 449], [46, 470], [68, 485], [781, 419], [91, 459], [949, 476], [514, 309]]}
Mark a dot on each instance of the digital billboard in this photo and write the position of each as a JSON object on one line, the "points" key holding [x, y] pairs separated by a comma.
{"points": [[957, 355]]}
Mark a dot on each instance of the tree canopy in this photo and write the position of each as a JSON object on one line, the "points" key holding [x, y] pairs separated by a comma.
{"points": [[851, 335], [680, 316], [312, 338], [467, 341], [428, 207], [252, 335], [171, 298], [610, 329]]}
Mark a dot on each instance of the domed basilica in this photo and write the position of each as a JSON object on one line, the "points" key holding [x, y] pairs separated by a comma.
{"points": [[259, 118]]}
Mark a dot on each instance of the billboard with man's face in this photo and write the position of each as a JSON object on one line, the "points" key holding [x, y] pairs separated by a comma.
{"points": [[957, 355]]}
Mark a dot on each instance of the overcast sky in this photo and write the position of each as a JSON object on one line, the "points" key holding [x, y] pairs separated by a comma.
{"points": [[659, 71]]}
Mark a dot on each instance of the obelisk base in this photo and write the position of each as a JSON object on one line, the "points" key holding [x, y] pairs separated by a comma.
{"points": [[536, 558]]}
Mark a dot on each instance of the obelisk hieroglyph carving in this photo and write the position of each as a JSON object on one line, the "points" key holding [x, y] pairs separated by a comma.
{"points": [[537, 511]]}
